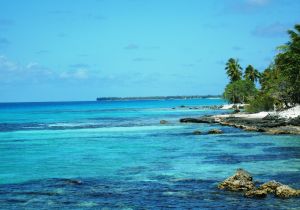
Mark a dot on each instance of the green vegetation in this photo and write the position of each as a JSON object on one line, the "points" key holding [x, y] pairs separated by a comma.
{"points": [[279, 83], [233, 70], [251, 74], [239, 90], [261, 102]]}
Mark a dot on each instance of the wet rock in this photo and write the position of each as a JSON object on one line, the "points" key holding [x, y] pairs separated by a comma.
{"points": [[73, 181], [271, 117], [243, 181], [270, 187], [240, 181], [284, 191], [236, 111], [163, 122], [197, 132], [294, 121], [204, 119], [278, 131], [256, 194], [270, 124], [192, 120], [251, 128], [215, 131]]}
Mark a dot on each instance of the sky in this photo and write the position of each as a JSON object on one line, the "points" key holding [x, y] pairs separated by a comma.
{"points": [[66, 50]]}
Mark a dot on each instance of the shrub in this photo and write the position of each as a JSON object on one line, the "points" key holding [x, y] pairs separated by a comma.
{"points": [[261, 103]]}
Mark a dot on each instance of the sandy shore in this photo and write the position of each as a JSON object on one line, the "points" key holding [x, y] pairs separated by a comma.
{"points": [[287, 114]]}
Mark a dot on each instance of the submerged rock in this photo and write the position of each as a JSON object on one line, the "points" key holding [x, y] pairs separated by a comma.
{"points": [[256, 193], [215, 131], [163, 122], [284, 191], [240, 181], [197, 132], [73, 181]]}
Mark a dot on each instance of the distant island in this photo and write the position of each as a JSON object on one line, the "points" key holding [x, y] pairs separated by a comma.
{"points": [[156, 98]]}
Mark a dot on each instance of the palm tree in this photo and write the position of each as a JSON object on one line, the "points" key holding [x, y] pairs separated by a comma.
{"points": [[294, 43], [266, 77], [233, 70], [251, 74], [288, 63]]}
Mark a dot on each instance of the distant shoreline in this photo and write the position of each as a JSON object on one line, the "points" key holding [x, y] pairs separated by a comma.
{"points": [[157, 98]]}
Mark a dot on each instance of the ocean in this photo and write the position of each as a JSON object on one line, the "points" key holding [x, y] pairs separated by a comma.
{"points": [[117, 155]]}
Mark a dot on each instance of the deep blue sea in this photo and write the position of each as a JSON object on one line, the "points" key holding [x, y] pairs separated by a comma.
{"points": [[117, 155]]}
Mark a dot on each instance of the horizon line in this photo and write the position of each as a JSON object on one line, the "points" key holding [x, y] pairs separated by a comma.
{"points": [[113, 97]]}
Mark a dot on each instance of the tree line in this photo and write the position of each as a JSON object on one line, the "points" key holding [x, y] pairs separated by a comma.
{"points": [[279, 83]]}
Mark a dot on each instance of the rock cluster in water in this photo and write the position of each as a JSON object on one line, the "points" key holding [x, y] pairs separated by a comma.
{"points": [[215, 131], [163, 122], [212, 131], [213, 107], [197, 132], [243, 181], [240, 181]]}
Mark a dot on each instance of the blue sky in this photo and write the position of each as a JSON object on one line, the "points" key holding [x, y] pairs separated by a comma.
{"points": [[55, 50]]}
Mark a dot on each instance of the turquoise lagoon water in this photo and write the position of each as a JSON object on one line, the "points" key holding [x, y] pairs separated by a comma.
{"points": [[116, 155]]}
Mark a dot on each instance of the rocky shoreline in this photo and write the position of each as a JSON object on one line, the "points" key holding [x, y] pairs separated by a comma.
{"points": [[268, 124]]}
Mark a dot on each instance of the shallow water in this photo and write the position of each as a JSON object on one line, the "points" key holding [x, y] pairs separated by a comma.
{"points": [[116, 155]]}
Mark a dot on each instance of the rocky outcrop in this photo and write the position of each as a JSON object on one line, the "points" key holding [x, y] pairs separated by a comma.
{"points": [[295, 121], [270, 187], [213, 107], [198, 120], [243, 181], [197, 132], [285, 191], [240, 181], [163, 122], [256, 194], [215, 131], [269, 124]]}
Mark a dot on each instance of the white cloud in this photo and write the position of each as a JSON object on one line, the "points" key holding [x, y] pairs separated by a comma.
{"points": [[12, 72], [7, 65], [75, 74], [32, 65]]}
